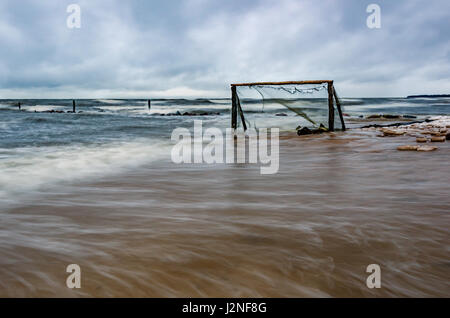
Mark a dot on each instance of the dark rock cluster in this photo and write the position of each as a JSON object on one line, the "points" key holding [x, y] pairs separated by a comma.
{"points": [[178, 113], [301, 131], [389, 116]]}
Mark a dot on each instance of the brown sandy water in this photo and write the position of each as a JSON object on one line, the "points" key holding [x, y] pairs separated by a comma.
{"points": [[338, 203]]}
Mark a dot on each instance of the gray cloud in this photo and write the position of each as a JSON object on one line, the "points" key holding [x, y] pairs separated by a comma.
{"points": [[141, 48]]}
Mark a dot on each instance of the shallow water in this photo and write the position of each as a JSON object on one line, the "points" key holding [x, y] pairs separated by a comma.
{"points": [[39, 149], [338, 203], [98, 189]]}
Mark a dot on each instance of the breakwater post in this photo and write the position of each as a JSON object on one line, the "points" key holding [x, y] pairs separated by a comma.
{"points": [[19, 106], [149, 102], [73, 106], [330, 106]]}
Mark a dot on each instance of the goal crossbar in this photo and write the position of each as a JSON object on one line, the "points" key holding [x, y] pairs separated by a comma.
{"points": [[285, 83]]}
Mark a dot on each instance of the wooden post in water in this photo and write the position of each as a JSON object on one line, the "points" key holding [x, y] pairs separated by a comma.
{"points": [[233, 107], [19, 106], [149, 103], [338, 105], [241, 113], [73, 106], [330, 107]]}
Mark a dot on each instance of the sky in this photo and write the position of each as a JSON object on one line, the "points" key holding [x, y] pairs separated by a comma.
{"points": [[196, 48]]}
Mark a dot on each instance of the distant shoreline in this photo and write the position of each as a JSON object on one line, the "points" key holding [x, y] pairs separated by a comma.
{"points": [[429, 96]]}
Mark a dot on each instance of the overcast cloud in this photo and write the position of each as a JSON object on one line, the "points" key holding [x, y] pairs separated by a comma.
{"points": [[195, 48]]}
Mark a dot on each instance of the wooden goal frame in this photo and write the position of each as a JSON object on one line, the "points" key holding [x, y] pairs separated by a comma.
{"points": [[332, 96]]}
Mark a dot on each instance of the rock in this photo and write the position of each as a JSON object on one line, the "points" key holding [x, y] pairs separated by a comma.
{"points": [[447, 136], [438, 139], [55, 111], [321, 129], [304, 131], [426, 148], [281, 114], [174, 114], [391, 132], [408, 148], [409, 116], [373, 116], [421, 139], [195, 114], [391, 116]]}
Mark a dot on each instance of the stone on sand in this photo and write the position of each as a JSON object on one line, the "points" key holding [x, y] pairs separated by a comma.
{"points": [[426, 148], [391, 132], [421, 139], [438, 139], [408, 148]]}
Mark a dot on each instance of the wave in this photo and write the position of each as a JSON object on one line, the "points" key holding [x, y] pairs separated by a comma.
{"points": [[182, 101], [26, 171]]}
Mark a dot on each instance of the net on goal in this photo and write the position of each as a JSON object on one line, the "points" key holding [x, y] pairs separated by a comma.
{"points": [[287, 105]]}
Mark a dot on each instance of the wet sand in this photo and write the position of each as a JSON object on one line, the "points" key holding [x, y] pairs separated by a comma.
{"points": [[338, 203]]}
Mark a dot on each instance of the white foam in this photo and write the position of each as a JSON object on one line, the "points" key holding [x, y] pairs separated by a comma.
{"points": [[121, 108], [43, 108], [27, 170], [109, 101], [436, 122]]}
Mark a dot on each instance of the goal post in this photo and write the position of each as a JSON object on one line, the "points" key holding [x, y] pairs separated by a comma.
{"points": [[292, 88]]}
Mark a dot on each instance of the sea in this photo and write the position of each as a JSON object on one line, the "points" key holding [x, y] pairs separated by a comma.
{"points": [[98, 188]]}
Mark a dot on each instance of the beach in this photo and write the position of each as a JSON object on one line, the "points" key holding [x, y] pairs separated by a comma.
{"points": [[339, 202], [225, 157]]}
